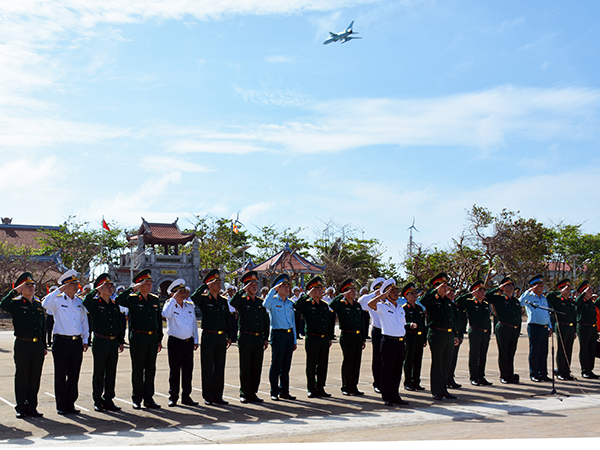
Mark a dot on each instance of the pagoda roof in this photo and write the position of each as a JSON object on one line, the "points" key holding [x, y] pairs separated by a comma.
{"points": [[249, 265], [287, 261], [23, 235], [161, 233]]}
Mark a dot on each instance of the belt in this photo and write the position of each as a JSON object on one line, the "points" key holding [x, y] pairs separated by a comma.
{"points": [[480, 329], [287, 330], [395, 338], [508, 325], [214, 332], [447, 330], [71, 338], [182, 340], [588, 324], [110, 338], [251, 333], [539, 325], [149, 333], [317, 335], [414, 332], [569, 324], [351, 331], [35, 339]]}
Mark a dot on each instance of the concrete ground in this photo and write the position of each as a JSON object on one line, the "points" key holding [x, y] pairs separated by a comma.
{"points": [[527, 410]]}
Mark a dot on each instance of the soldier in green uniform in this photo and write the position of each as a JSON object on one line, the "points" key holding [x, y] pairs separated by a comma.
{"points": [[216, 337], [352, 338], [108, 341], [507, 310], [145, 336], [319, 334], [440, 334], [480, 328], [460, 325], [415, 339], [253, 339], [30, 343], [587, 331], [562, 302]]}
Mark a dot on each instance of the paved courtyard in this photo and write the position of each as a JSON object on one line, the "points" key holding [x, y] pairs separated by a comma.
{"points": [[498, 411]]}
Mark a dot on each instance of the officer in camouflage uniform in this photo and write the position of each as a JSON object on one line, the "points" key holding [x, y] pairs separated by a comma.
{"points": [[107, 343], [145, 336], [30, 344]]}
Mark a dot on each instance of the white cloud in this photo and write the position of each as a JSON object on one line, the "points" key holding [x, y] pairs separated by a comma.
{"points": [[256, 211], [278, 97], [209, 145], [161, 164]]}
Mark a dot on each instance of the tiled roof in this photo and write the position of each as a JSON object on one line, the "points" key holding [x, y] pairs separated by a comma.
{"points": [[162, 233], [289, 262], [19, 235]]}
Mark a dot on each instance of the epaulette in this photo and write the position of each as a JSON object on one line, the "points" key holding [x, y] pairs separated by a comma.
{"points": [[188, 302], [153, 295]]}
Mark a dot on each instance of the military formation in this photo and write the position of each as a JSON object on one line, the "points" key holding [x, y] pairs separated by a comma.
{"points": [[403, 325]]}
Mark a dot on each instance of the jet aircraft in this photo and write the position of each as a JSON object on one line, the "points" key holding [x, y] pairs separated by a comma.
{"points": [[343, 36]]}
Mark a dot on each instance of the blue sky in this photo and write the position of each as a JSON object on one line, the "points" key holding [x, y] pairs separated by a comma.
{"points": [[167, 109]]}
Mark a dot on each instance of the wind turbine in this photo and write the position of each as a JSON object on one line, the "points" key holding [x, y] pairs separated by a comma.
{"points": [[410, 239]]}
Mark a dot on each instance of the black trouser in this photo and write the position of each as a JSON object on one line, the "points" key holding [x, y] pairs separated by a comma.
{"points": [[68, 355], [124, 323], [392, 357], [29, 359], [351, 343], [317, 359], [538, 350], [49, 328], [106, 355], [588, 336], [299, 324], [376, 360], [453, 363], [366, 321], [181, 364], [479, 342], [413, 360], [565, 339], [441, 344], [282, 349], [233, 320], [506, 337], [143, 349], [252, 351], [213, 349]]}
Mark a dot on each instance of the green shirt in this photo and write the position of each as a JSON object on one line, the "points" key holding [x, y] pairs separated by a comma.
{"points": [[316, 316], [508, 309], [478, 313], [252, 315], [106, 316], [215, 312], [566, 306], [440, 311], [28, 318], [144, 314], [414, 314], [349, 315], [586, 310]]}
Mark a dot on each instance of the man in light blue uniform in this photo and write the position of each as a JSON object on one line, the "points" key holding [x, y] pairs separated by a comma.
{"points": [[539, 328], [283, 337]]}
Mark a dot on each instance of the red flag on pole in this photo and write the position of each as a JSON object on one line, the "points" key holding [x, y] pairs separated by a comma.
{"points": [[105, 225]]}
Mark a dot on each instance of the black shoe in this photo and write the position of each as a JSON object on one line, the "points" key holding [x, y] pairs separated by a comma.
{"points": [[62, 412], [34, 413], [357, 392], [73, 411], [172, 403], [449, 396], [21, 415], [437, 397], [256, 399], [388, 403], [377, 390], [561, 378], [421, 388], [476, 383], [409, 388], [111, 407], [287, 396], [590, 376], [535, 379], [516, 378], [485, 382], [189, 402], [322, 393], [151, 405], [313, 395], [453, 385], [217, 401], [346, 393], [545, 378], [244, 399], [400, 402], [275, 398], [136, 405], [505, 381], [98, 408], [208, 402]]}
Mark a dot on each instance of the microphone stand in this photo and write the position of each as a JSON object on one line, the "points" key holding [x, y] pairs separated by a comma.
{"points": [[551, 310]]}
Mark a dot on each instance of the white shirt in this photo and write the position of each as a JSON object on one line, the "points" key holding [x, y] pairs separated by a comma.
{"points": [[392, 318], [181, 320], [327, 299], [70, 316], [363, 301]]}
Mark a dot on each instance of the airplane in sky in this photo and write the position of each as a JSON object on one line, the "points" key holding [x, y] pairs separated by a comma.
{"points": [[343, 36]]}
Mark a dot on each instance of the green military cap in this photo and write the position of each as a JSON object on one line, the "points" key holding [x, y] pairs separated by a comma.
{"points": [[212, 276], [440, 278], [583, 286], [314, 282], [563, 283], [24, 278], [142, 275], [347, 285], [102, 278]]}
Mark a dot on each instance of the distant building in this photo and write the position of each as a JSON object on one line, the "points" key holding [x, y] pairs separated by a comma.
{"points": [[166, 267]]}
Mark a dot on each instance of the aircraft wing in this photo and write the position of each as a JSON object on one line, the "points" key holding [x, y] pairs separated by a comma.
{"points": [[347, 38]]}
